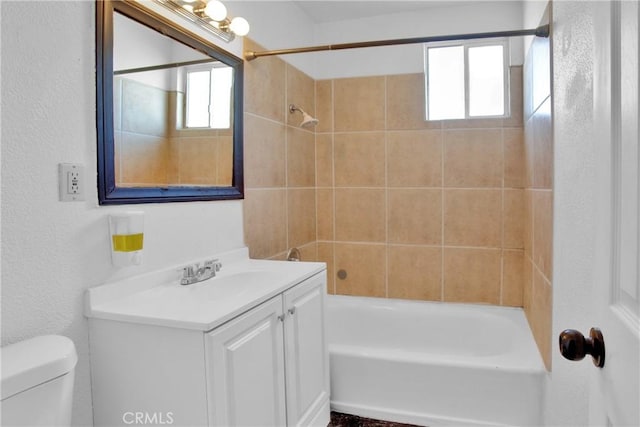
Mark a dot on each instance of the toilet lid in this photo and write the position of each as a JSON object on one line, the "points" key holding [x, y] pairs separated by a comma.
{"points": [[31, 362]]}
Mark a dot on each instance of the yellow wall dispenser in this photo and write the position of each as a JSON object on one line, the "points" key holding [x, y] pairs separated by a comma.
{"points": [[127, 238]]}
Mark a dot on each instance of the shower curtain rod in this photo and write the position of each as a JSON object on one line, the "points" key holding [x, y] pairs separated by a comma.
{"points": [[541, 31], [164, 66]]}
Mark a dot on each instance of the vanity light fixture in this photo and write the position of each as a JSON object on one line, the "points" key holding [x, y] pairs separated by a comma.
{"points": [[210, 15]]}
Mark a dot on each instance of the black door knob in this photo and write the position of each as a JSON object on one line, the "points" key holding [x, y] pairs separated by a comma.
{"points": [[575, 346]]}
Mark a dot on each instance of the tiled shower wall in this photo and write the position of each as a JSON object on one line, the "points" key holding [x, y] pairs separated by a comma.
{"points": [[539, 195], [279, 159], [415, 209], [151, 148], [407, 208]]}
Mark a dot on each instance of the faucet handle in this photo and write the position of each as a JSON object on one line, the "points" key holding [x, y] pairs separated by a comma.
{"points": [[214, 264]]}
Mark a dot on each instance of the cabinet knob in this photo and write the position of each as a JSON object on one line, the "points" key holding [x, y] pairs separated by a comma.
{"points": [[281, 318], [292, 310]]}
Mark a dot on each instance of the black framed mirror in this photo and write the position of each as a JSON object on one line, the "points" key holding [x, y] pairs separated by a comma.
{"points": [[169, 111]]}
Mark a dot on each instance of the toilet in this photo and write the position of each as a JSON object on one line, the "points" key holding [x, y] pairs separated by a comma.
{"points": [[37, 381]]}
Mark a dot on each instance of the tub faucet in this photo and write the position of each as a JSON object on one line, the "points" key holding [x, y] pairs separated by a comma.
{"points": [[196, 273]]}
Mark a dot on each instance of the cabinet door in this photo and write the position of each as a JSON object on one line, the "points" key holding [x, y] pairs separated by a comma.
{"points": [[306, 355], [245, 369]]}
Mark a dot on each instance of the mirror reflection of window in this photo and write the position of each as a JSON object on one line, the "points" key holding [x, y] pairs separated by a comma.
{"points": [[208, 97]]}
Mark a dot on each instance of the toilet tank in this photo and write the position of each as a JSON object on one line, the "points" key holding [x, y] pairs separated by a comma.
{"points": [[37, 381]]}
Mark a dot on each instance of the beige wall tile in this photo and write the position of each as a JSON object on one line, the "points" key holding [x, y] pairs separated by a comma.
{"points": [[360, 215], [512, 278], [282, 256], [264, 85], [472, 275], [325, 254], [309, 252], [514, 161], [514, 217], [198, 160], [324, 105], [406, 103], [529, 143], [265, 229], [415, 216], [324, 160], [543, 231], [301, 158], [515, 95], [324, 216], [473, 218], [528, 223], [473, 158], [359, 104], [415, 272], [543, 147], [494, 123], [301, 93], [143, 159], [264, 152], [541, 312], [527, 285], [365, 266], [225, 161], [414, 158], [359, 159], [301, 217]]}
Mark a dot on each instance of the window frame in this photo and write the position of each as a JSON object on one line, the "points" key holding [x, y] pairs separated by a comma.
{"points": [[466, 44], [185, 87]]}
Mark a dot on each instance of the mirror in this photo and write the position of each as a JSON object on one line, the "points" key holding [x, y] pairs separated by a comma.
{"points": [[169, 111]]}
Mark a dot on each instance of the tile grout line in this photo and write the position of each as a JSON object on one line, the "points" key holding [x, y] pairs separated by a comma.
{"points": [[386, 194], [503, 219], [333, 185], [442, 210], [286, 160]]}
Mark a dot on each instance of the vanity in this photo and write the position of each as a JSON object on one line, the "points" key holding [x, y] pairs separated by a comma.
{"points": [[246, 347]]}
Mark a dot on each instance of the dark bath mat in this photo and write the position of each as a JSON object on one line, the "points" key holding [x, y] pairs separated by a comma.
{"points": [[346, 420]]}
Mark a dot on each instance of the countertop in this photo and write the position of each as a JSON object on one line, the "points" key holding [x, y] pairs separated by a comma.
{"points": [[158, 298]]}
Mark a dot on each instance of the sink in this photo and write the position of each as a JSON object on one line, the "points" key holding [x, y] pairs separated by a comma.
{"points": [[235, 285]]}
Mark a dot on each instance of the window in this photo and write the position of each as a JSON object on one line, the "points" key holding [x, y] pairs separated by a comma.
{"points": [[466, 80], [208, 97]]}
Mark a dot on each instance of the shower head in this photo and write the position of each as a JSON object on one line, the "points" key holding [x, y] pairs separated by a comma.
{"points": [[307, 120]]}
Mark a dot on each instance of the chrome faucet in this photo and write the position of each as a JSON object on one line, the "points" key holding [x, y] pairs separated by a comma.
{"points": [[195, 273]]}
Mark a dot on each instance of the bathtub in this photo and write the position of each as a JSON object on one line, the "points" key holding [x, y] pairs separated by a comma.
{"points": [[435, 364]]}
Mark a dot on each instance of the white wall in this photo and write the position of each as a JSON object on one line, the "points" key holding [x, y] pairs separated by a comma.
{"points": [[466, 18], [278, 25], [53, 251]]}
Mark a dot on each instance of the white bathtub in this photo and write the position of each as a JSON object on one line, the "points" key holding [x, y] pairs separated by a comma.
{"points": [[435, 364]]}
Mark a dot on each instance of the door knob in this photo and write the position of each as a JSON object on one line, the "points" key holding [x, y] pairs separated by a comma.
{"points": [[575, 346]]}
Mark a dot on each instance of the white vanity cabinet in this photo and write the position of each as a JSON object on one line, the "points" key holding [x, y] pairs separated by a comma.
{"points": [[269, 366], [263, 363]]}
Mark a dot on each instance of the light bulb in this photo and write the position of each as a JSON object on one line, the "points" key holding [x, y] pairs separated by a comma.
{"points": [[216, 10], [239, 26]]}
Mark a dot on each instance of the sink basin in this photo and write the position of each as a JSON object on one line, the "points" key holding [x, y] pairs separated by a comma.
{"points": [[235, 285]]}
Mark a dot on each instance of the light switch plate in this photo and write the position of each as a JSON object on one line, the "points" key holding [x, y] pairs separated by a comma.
{"points": [[71, 182]]}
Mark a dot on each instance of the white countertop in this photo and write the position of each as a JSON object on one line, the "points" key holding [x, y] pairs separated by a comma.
{"points": [[158, 298]]}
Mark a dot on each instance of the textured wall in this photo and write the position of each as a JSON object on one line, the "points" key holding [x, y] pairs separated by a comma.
{"points": [[52, 251], [416, 209]]}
